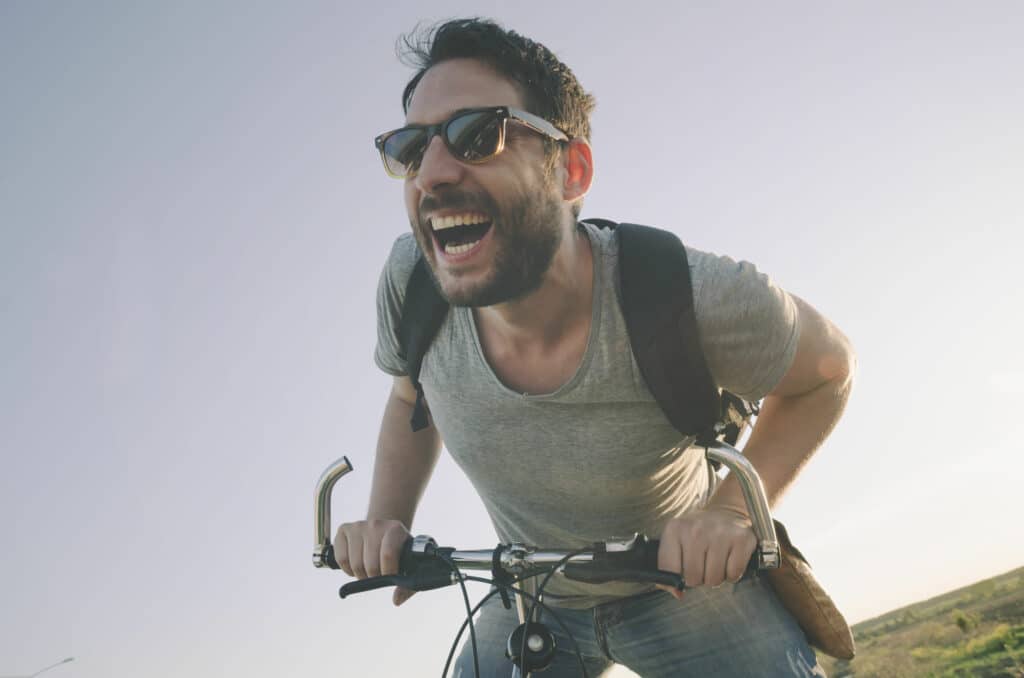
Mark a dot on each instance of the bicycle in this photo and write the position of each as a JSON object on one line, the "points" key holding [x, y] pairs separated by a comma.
{"points": [[515, 568]]}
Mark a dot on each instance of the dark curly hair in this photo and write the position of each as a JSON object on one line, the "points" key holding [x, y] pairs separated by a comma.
{"points": [[549, 87]]}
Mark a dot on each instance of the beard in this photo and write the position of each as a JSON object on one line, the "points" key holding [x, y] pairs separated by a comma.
{"points": [[526, 235]]}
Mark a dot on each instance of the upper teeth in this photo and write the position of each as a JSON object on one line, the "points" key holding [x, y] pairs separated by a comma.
{"points": [[441, 223]]}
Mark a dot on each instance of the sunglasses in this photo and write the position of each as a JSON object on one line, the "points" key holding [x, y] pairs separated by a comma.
{"points": [[474, 135]]}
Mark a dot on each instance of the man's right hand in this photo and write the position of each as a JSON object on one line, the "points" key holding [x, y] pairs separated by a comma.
{"points": [[370, 548]]}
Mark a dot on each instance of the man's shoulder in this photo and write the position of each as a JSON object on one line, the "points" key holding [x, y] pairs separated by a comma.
{"points": [[702, 263], [402, 258], [394, 279], [710, 271], [405, 249], [709, 267], [608, 238]]}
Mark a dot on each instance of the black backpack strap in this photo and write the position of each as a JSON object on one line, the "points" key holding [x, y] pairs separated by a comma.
{"points": [[657, 301], [423, 311]]}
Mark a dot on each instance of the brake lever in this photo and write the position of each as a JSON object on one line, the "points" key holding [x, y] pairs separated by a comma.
{"points": [[424, 580], [421, 574]]}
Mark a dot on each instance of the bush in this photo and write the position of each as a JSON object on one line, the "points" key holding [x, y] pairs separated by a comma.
{"points": [[965, 621]]}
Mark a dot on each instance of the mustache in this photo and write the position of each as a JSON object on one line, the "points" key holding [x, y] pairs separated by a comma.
{"points": [[457, 200]]}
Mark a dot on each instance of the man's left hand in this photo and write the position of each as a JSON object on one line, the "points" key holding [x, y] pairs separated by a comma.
{"points": [[708, 547]]}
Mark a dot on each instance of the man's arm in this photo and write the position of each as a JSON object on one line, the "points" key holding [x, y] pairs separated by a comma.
{"points": [[714, 545], [404, 463], [801, 410], [405, 460]]}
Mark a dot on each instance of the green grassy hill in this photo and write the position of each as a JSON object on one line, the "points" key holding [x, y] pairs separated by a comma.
{"points": [[976, 631]]}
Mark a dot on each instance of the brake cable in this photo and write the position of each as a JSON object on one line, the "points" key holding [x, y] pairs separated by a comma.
{"points": [[544, 607], [536, 601]]}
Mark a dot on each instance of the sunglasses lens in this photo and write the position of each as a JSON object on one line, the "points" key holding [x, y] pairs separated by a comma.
{"points": [[475, 136], [403, 151]]}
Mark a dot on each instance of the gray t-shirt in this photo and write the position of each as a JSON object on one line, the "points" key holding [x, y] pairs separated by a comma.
{"points": [[596, 458]]}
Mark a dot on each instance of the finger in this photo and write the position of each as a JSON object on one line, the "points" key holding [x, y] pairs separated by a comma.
{"points": [[694, 553], [371, 557], [670, 559], [341, 551], [669, 552], [739, 558], [391, 549], [715, 564], [676, 593], [355, 554]]}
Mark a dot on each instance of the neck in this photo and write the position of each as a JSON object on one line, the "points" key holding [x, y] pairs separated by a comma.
{"points": [[556, 309]]}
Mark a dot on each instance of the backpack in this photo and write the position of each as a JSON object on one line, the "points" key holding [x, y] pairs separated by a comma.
{"points": [[657, 303]]}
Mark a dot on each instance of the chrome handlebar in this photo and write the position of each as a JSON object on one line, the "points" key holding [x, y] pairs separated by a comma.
{"points": [[769, 556], [323, 551], [723, 453]]}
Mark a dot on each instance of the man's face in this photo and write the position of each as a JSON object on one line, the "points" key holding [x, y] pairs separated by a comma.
{"points": [[509, 208]]}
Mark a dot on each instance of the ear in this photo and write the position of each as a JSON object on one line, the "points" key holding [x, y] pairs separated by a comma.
{"points": [[578, 166]]}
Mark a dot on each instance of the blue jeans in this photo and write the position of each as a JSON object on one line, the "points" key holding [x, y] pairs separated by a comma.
{"points": [[736, 630]]}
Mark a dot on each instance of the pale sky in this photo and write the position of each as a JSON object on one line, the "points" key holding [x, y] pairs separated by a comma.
{"points": [[193, 220]]}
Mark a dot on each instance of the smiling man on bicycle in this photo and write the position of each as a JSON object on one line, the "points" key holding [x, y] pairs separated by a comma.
{"points": [[532, 369]]}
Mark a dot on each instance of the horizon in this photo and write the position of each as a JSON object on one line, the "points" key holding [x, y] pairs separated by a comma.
{"points": [[934, 597]]}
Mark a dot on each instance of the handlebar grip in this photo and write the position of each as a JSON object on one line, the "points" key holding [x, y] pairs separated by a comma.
{"points": [[649, 551], [639, 564], [588, 574], [407, 559]]}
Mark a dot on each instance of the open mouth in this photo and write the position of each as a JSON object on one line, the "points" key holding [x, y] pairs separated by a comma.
{"points": [[459, 233]]}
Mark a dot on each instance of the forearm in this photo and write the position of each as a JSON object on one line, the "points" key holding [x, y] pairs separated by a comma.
{"points": [[404, 463], [787, 432]]}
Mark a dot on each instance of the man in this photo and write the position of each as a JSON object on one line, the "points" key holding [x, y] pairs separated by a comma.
{"points": [[531, 383]]}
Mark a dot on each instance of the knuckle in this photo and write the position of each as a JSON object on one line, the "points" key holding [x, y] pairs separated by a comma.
{"points": [[696, 534], [697, 544], [397, 528], [351, 530], [395, 534], [380, 525]]}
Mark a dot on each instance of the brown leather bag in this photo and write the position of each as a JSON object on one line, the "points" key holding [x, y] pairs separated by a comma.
{"points": [[806, 600]]}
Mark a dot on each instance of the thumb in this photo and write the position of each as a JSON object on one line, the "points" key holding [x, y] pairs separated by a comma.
{"points": [[676, 593], [401, 595]]}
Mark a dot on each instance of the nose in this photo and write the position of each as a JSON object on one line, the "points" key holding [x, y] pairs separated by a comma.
{"points": [[438, 167]]}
